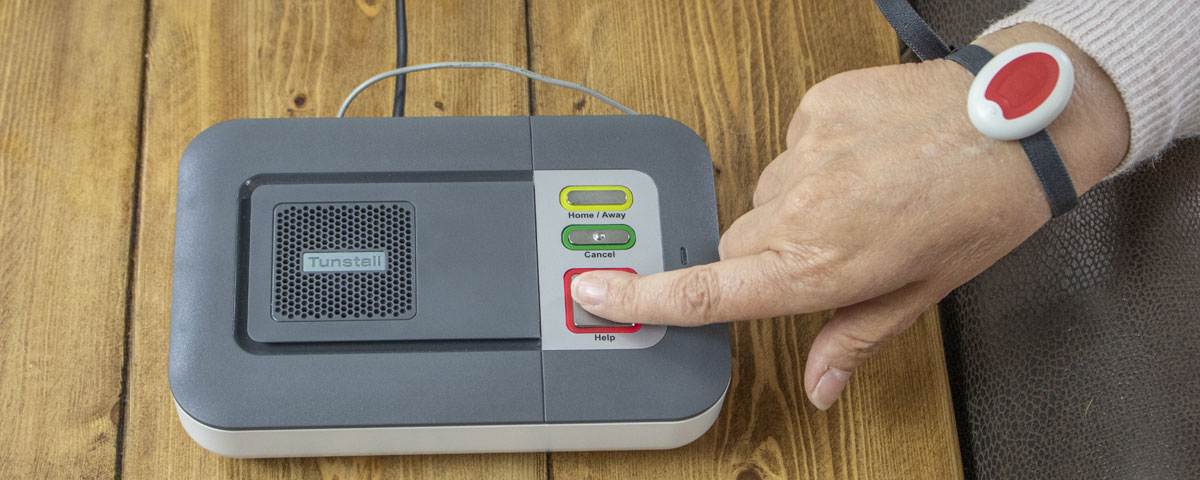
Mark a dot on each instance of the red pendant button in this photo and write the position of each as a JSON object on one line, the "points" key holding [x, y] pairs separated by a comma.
{"points": [[1023, 84], [1020, 91]]}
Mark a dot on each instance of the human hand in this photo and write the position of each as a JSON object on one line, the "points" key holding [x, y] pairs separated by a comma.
{"points": [[885, 200]]}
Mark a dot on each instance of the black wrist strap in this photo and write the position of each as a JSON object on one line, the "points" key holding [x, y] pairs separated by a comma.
{"points": [[912, 29], [1056, 182], [926, 43], [972, 57], [1043, 156]]}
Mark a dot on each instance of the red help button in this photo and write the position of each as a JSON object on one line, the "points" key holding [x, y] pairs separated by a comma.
{"points": [[1023, 84], [1021, 91], [582, 321]]}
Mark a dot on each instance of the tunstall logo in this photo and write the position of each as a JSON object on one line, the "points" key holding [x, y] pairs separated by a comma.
{"points": [[343, 262]]}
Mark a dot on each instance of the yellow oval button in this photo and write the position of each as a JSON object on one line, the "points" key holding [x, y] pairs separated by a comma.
{"points": [[591, 198]]}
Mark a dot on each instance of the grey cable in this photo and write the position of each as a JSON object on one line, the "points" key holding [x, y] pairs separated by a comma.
{"points": [[487, 65], [401, 59]]}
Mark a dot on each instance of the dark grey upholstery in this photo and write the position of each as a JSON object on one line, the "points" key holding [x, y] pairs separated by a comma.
{"points": [[1076, 356]]}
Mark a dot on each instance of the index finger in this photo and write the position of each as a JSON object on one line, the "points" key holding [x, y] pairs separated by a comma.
{"points": [[743, 288]]}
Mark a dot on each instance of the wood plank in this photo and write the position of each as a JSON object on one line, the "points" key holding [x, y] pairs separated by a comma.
{"points": [[230, 59], [69, 79], [734, 71], [464, 30]]}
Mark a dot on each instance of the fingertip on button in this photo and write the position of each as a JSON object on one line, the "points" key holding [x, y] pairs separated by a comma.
{"points": [[591, 290], [588, 290]]}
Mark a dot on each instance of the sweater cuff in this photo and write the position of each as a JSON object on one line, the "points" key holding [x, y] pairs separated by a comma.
{"points": [[1147, 49]]}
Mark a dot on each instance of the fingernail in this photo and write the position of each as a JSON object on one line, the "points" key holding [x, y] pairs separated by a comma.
{"points": [[829, 388], [589, 291]]}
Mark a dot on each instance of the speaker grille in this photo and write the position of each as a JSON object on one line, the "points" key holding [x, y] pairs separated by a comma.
{"points": [[343, 227]]}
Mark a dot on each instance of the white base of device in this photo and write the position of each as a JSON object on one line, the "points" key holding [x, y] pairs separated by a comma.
{"points": [[320, 442]]}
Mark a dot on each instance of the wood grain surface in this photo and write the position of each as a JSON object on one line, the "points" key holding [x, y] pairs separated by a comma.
{"points": [[74, 178], [69, 93], [233, 59]]}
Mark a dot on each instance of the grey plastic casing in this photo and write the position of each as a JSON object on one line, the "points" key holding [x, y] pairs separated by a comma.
{"points": [[481, 363]]}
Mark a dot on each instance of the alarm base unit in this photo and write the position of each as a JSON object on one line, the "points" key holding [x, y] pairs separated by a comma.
{"points": [[402, 285]]}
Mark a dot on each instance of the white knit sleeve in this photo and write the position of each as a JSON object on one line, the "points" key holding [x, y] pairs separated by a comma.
{"points": [[1150, 49]]}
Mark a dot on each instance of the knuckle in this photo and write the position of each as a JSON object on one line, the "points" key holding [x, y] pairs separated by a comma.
{"points": [[726, 247], [815, 97], [699, 293], [626, 295], [856, 345], [769, 180], [825, 93], [823, 144], [762, 193], [908, 317], [810, 268], [795, 204]]}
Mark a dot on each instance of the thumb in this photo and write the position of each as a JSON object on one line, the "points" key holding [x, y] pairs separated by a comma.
{"points": [[854, 334]]}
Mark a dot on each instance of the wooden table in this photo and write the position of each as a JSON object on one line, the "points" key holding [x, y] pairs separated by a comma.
{"points": [[98, 98]]}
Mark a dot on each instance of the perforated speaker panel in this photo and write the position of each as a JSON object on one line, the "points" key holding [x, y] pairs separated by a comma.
{"points": [[324, 228]]}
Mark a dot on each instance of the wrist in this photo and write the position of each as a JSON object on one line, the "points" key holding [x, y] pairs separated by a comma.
{"points": [[1092, 133]]}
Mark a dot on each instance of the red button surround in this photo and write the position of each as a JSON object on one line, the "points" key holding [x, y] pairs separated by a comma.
{"points": [[571, 311]]}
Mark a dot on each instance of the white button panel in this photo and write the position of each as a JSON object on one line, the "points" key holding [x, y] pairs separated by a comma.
{"points": [[555, 259]]}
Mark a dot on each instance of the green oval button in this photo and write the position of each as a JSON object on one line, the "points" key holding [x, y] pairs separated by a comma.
{"points": [[598, 237]]}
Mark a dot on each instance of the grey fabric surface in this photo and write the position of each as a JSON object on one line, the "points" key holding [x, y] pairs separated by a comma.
{"points": [[1075, 356]]}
